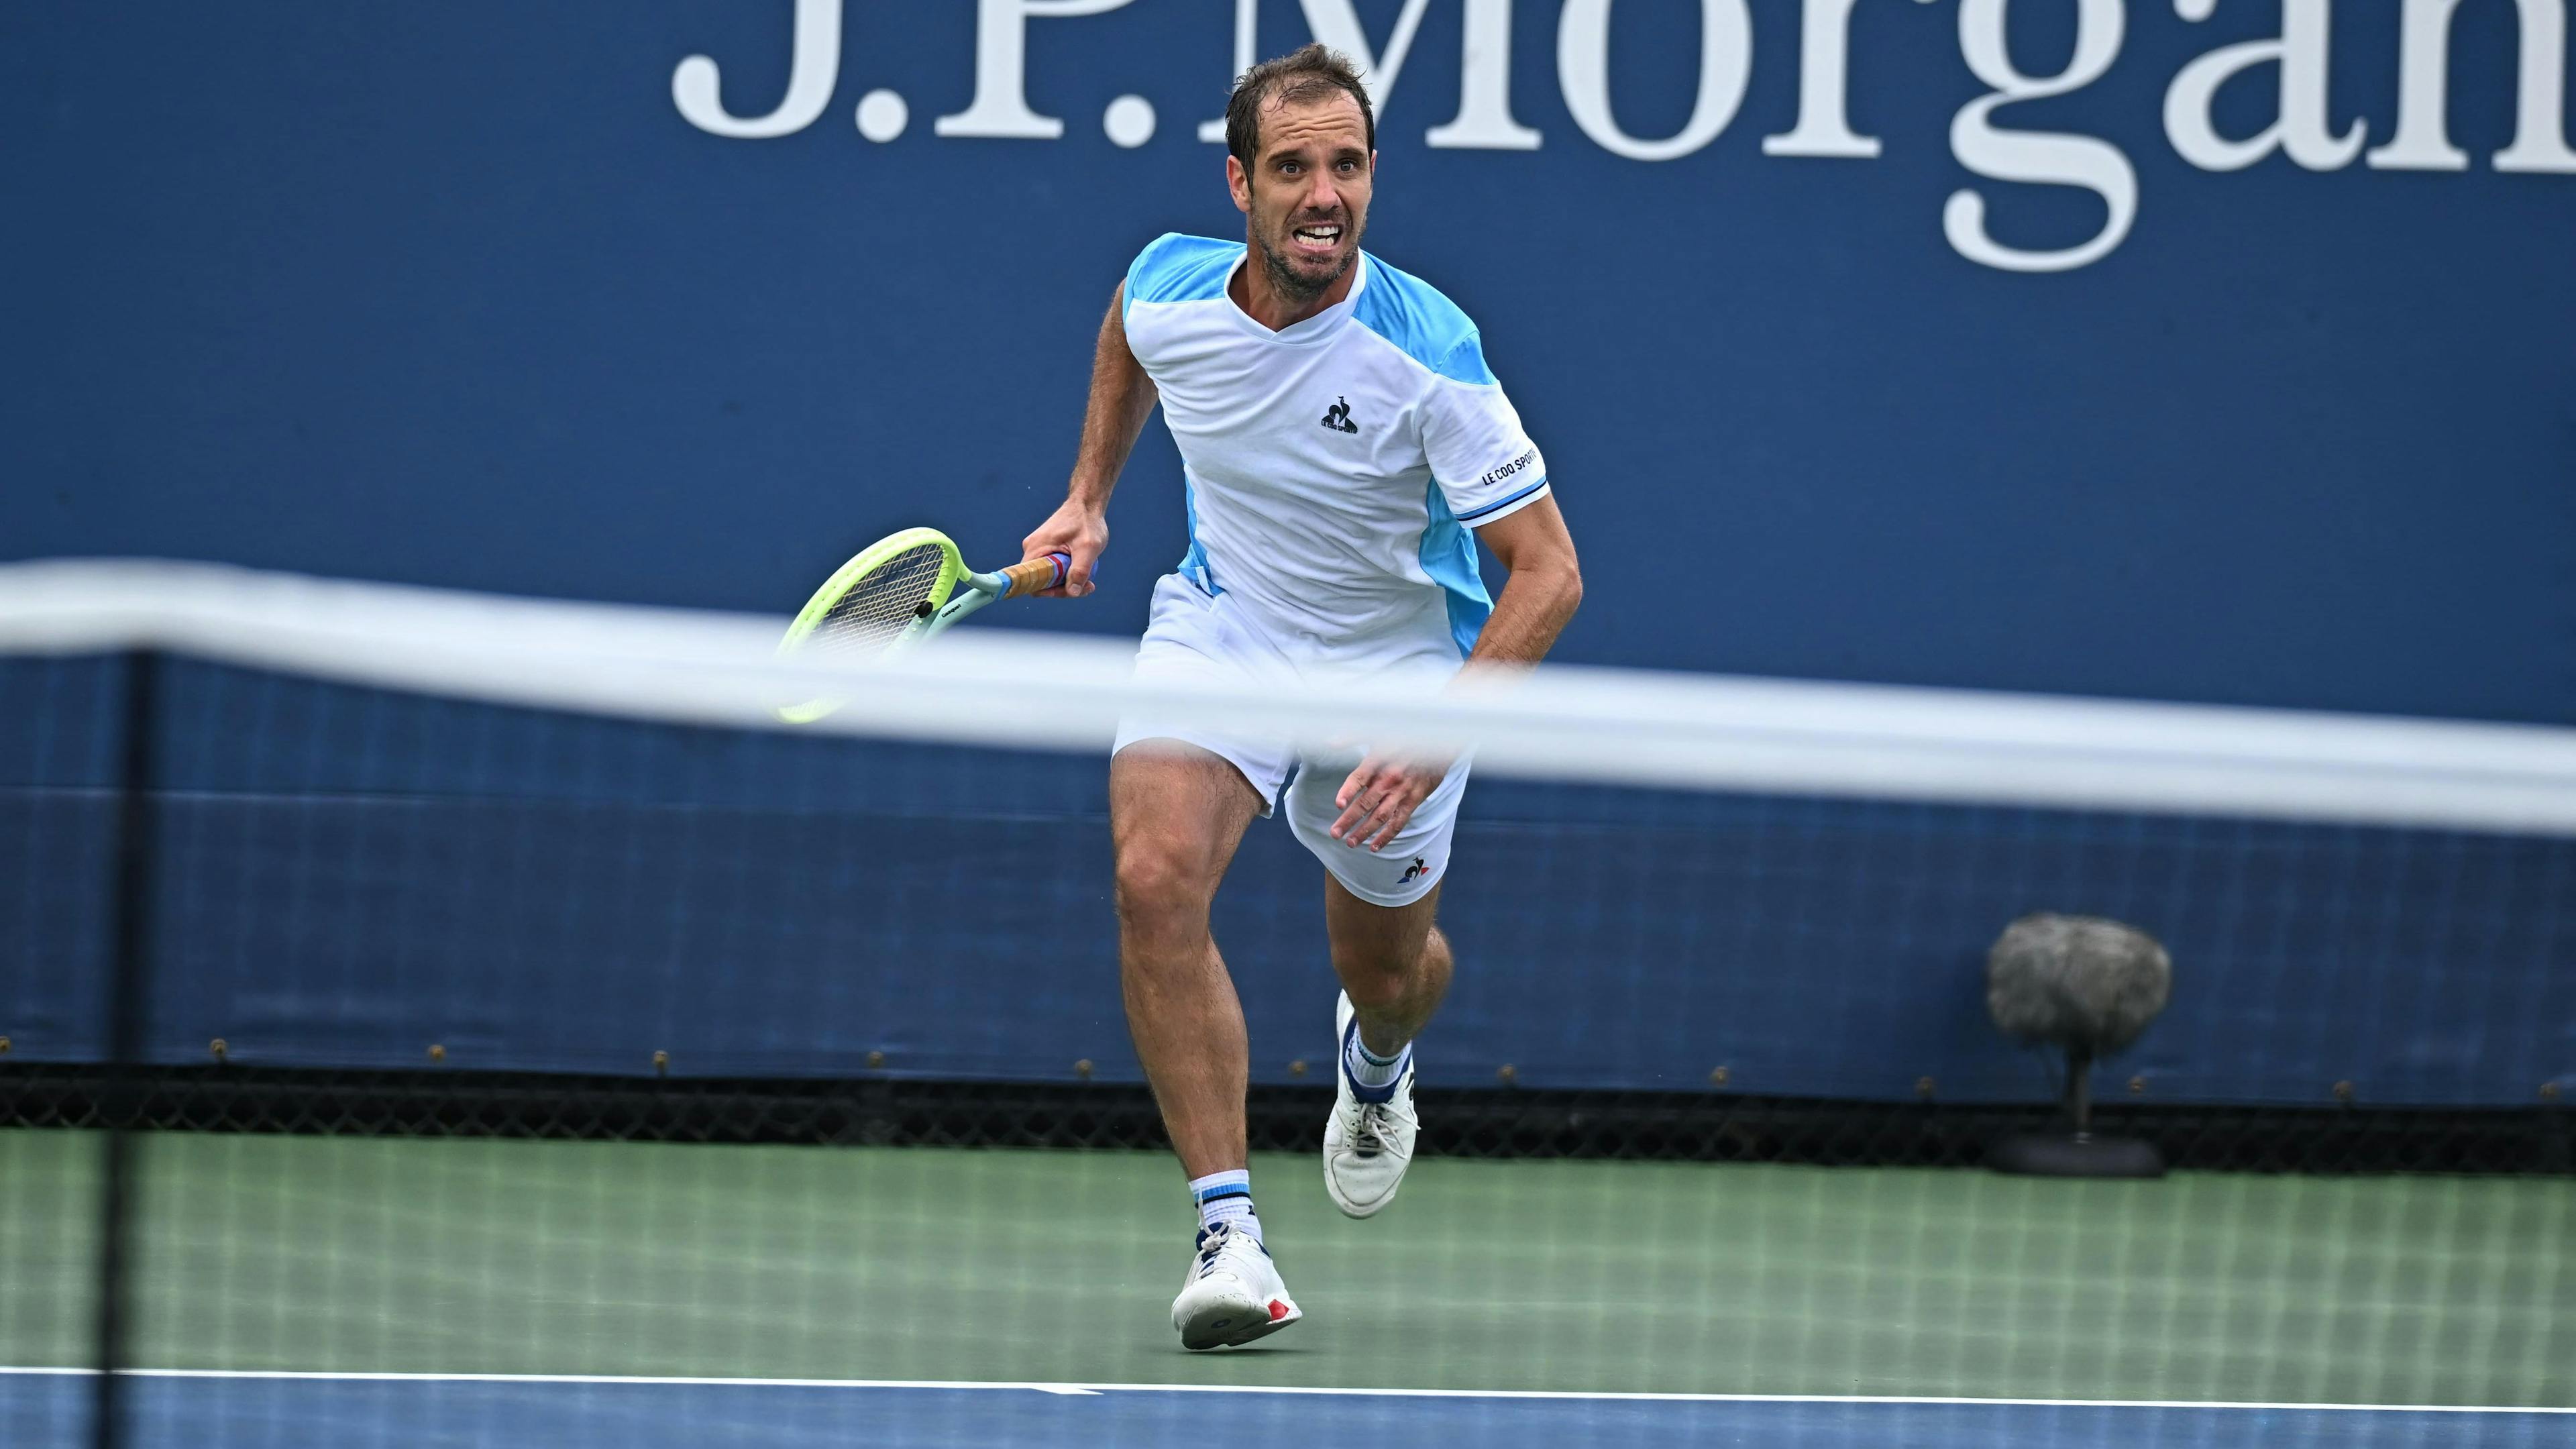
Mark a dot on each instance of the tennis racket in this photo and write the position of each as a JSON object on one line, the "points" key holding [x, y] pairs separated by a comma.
{"points": [[898, 591]]}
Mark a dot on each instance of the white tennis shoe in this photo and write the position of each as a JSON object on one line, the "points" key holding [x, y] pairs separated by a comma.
{"points": [[1232, 1294], [1367, 1145]]}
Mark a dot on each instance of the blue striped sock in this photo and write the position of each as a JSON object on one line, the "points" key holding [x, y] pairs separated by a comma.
{"points": [[1226, 1197], [1373, 1077]]}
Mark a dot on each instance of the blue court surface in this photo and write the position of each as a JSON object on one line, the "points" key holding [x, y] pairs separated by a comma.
{"points": [[232, 1411]]}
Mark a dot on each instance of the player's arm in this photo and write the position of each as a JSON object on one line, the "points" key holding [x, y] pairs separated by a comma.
{"points": [[1121, 398], [1545, 586]]}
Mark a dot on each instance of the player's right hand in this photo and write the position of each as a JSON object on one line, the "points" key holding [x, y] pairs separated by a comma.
{"points": [[1074, 530]]}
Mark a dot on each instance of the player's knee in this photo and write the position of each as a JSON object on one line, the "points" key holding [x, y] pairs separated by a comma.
{"points": [[1161, 889]]}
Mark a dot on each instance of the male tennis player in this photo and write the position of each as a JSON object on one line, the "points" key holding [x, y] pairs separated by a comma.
{"points": [[1339, 434]]}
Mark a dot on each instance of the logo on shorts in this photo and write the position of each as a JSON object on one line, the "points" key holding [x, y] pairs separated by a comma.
{"points": [[1418, 868], [1338, 416]]}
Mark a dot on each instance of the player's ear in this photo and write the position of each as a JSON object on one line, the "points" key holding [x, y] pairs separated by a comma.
{"points": [[1239, 182]]}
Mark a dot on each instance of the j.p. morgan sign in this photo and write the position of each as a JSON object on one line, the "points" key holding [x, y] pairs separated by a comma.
{"points": [[2305, 128]]}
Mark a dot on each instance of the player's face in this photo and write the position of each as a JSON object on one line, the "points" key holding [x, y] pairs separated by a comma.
{"points": [[1307, 194]]}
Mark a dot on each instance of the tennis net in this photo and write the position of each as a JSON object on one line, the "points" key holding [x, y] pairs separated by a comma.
{"points": [[509, 1031]]}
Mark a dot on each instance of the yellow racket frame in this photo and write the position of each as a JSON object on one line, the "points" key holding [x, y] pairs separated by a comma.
{"points": [[1019, 580]]}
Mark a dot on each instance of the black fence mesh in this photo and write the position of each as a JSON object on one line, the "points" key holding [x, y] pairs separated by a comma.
{"points": [[1498, 1123]]}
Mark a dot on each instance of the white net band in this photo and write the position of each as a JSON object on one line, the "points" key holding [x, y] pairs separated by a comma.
{"points": [[1049, 691]]}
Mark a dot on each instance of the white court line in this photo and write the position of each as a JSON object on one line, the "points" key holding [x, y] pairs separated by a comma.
{"points": [[1307, 1389]]}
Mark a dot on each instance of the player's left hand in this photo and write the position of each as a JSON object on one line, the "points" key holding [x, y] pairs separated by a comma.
{"points": [[1381, 796]]}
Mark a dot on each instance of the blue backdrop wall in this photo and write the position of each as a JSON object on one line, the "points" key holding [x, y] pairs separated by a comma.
{"points": [[348, 877], [2210, 350], [458, 294]]}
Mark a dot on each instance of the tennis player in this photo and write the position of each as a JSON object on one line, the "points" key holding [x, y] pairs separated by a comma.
{"points": [[1340, 437]]}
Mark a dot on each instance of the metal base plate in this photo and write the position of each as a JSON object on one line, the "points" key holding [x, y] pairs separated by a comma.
{"points": [[2072, 1154]]}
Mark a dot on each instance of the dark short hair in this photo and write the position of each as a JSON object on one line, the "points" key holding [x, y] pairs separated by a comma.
{"points": [[1308, 73]]}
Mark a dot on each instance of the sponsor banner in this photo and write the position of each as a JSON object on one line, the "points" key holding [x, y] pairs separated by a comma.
{"points": [[2198, 349]]}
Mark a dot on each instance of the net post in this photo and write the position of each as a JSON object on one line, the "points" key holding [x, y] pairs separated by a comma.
{"points": [[129, 981], [2079, 1091]]}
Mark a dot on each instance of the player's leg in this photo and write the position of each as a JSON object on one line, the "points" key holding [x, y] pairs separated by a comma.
{"points": [[1176, 814], [1394, 963]]}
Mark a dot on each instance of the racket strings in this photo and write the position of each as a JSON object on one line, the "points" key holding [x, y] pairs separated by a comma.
{"points": [[885, 602]]}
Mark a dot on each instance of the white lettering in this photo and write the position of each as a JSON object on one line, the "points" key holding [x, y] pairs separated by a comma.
{"points": [[2423, 139], [1583, 70], [2032, 156], [2300, 125], [815, 67], [2540, 111], [1824, 72], [1247, 36], [1335, 24], [1000, 109], [1484, 120]]}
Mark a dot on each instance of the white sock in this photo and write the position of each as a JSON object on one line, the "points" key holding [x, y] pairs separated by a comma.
{"points": [[1369, 1071], [1226, 1197]]}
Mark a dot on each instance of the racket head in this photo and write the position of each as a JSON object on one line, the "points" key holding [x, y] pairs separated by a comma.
{"points": [[884, 595]]}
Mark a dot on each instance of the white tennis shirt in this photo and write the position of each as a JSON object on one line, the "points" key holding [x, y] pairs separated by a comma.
{"points": [[1333, 467]]}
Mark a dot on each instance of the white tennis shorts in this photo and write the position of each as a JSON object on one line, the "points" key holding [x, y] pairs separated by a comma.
{"points": [[1193, 634]]}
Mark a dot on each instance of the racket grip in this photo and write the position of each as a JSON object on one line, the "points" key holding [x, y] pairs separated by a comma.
{"points": [[1037, 574]]}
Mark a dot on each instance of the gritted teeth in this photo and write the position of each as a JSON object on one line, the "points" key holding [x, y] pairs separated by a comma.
{"points": [[1320, 233]]}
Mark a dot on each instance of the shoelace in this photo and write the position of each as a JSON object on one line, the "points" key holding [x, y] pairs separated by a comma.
{"points": [[1368, 1136], [1371, 1130], [1369, 1133], [1212, 1244]]}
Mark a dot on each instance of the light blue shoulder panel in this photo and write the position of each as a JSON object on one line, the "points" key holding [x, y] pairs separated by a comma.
{"points": [[1412, 314], [1449, 557], [1177, 268]]}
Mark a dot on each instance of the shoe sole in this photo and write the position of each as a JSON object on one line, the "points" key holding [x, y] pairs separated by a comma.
{"points": [[1351, 1209], [1232, 1325]]}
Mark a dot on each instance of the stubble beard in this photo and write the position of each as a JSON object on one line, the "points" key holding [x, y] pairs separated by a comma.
{"points": [[1298, 286]]}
